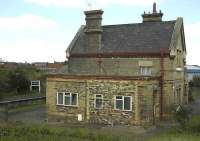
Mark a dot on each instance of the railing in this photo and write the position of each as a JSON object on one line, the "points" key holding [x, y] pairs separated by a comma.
{"points": [[6, 105]]}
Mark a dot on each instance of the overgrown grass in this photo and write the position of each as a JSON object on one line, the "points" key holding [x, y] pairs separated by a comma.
{"points": [[195, 92], [47, 133], [191, 132]]}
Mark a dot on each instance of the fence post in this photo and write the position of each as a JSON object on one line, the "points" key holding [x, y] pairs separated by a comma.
{"points": [[6, 114]]}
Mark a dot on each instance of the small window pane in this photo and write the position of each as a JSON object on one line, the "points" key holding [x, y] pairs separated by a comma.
{"points": [[118, 97], [98, 96], [60, 98], [67, 100], [99, 103], [119, 104], [74, 99], [127, 103]]}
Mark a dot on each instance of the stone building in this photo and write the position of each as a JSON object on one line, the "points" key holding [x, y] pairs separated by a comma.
{"points": [[120, 74]]}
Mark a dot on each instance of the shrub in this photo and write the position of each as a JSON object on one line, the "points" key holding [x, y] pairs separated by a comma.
{"points": [[181, 115], [18, 81]]}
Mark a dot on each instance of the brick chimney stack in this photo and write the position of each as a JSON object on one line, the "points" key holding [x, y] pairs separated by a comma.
{"points": [[154, 16], [93, 29]]}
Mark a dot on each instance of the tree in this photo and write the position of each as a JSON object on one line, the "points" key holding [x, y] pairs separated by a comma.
{"points": [[18, 81]]}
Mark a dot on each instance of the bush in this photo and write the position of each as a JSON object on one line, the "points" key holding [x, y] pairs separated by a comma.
{"points": [[194, 124], [181, 115], [195, 81], [18, 81]]}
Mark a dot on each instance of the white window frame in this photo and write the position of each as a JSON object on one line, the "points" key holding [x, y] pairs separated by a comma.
{"points": [[57, 98], [95, 98], [122, 103], [70, 96], [145, 71]]}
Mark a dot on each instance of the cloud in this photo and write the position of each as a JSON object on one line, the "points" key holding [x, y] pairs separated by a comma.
{"points": [[26, 21], [93, 4], [29, 49], [58, 3], [192, 33]]}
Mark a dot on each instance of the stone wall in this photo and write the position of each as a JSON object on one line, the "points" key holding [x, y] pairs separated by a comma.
{"points": [[140, 91]]}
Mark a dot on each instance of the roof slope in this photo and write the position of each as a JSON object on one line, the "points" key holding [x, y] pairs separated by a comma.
{"points": [[144, 37]]}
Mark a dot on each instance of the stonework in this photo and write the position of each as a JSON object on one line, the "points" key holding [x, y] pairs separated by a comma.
{"points": [[86, 90]]}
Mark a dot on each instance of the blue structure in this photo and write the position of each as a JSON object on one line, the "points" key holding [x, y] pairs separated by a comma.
{"points": [[192, 70]]}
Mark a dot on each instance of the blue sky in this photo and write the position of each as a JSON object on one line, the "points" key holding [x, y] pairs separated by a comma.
{"points": [[41, 30]]}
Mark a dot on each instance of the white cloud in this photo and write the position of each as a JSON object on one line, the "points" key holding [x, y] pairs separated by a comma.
{"points": [[58, 3], [26, 21], [33, 50], [192, 33], [94, 4]]}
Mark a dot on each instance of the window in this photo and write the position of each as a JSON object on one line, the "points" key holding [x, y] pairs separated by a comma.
{"points": [[59, 98], [98, 101], [145, 70], [123, 103], [67, 99]]}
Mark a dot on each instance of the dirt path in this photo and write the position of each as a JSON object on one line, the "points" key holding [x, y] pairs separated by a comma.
{"points": [[35, 114]]}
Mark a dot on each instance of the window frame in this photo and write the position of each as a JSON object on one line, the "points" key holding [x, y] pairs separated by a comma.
{"points": [[145, 69], [62, 98], [70, 96], [122, 103], [95, 98]]}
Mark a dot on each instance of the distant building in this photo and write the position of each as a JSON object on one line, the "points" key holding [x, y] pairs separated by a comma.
{"points": [[48, 67], [192, 70]]}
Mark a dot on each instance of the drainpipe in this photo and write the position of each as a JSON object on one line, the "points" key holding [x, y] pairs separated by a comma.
{"points": [[87, 108], [161, 83]]}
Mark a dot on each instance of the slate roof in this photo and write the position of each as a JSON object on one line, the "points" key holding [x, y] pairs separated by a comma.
{"points": [[141, 37]]}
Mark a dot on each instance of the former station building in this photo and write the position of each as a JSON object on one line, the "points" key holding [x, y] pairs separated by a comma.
{"points": [[120, 74]]}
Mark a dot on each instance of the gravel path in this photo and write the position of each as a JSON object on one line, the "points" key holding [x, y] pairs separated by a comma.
{"points": [[35, 114]]}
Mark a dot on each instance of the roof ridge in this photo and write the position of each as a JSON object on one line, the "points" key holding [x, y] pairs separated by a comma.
{"points": [[137, 23]]}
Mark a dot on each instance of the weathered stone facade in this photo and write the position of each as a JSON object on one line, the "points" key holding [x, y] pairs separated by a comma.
{"points": [[136, 81], [87, 88]]}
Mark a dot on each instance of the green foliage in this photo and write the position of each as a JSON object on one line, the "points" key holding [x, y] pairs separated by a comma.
{"points": [[181, 115], [16, 81], [195, 81], [46, 133], [194, 125]]}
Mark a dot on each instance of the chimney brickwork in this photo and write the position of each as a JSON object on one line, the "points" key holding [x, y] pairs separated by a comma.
{"points": [[154, 16], [93, 29]]}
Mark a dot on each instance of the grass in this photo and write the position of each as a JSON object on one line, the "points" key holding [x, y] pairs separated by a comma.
{"points": [[195, 92], [47, 133]]}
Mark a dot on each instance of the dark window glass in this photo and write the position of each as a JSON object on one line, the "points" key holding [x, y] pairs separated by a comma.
{"points": [[74, 99], [67, 99], [60, 98], [127, 103], [119, 104]]}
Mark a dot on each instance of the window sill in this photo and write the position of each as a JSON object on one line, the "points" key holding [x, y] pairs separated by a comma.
{"points": [[76, 106], [123, 110]]}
